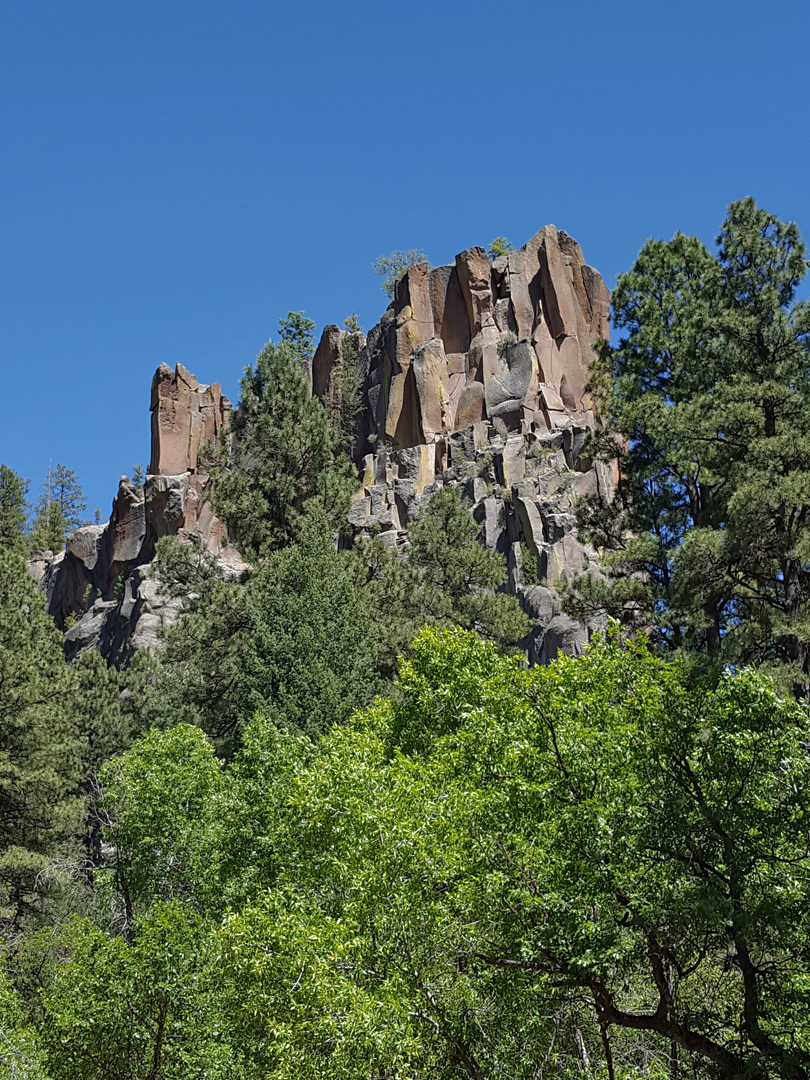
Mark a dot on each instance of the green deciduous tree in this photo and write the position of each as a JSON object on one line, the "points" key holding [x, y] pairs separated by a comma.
{"points": [[123, 1010], [278, 454], [598, 865], [392, 268], [22, 1056], [710, 389], [160, 808]]}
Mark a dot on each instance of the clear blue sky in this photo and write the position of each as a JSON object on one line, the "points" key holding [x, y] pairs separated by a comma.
{"points": [[177, 174]]}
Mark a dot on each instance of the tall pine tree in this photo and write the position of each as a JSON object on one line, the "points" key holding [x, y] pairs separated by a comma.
{"points": [[709, 388], [278, 453]]}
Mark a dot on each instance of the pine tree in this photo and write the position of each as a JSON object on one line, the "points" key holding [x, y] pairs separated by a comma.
{"points": [[60, 510], [41, 752], [297, 642], [447, 578], [12, 511], [710, 389], [278, 454]]}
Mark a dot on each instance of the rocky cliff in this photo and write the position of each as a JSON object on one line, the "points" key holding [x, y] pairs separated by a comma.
{"points": [[475, 377]]}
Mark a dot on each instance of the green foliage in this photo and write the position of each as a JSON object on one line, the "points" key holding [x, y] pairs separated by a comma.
{"points": [[144, 1008], [496, 871], [22, 1056], [12, 511], [160, 804], [447, 579], [183, 569], [40, 753], [710, 388], [138, 477], [499, 246], [297, 641], [503, 866], [60, 509], [457, 576], [278, 454], [504, 341], [298, 334], [392, 268], [528, 561], [50, 529]]}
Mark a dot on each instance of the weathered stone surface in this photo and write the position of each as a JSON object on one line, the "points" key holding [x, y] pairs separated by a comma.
{"points": [[324, 360], [448, 400], [126, 530], [185, 415], [86, 545], [470, 408], [432, 387], [474, 274], [506, 386]]}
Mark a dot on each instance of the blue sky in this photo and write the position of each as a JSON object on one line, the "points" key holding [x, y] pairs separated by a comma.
{"points": [[175, 175]]}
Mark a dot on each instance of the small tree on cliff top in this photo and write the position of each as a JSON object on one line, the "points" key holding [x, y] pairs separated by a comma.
{"points": [[391, 268]]}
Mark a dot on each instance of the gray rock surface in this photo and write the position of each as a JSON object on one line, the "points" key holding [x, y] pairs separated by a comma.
{"points": [[474, 377]]}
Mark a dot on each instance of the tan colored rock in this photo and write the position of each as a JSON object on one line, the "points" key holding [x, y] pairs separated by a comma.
{"points": [[450, 319], [474, 271], [185, 415], [562, 310], [470, 408], [432, 387]]}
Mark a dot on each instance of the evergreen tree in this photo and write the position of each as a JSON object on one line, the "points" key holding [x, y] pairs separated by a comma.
{"points": [[297, 642], [50, 528], [708, 541], [447, 578], [60, 509], [41, 751], [12, 511], [345, 398], [278, 453]]}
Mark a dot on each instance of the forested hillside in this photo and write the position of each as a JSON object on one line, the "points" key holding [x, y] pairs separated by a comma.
{"points": [[469, 734]]}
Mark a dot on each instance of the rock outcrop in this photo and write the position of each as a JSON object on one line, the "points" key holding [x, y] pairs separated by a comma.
{"points": [[474, 377], [509, 341], [99, 589]]}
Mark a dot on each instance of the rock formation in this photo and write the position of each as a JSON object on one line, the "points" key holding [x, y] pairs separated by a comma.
{"points": [[98, 588], [475, 376]]}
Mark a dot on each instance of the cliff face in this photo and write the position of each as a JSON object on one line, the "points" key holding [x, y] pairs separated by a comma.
{"points": [[437, 362], [99, 588], [475, 377]]}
